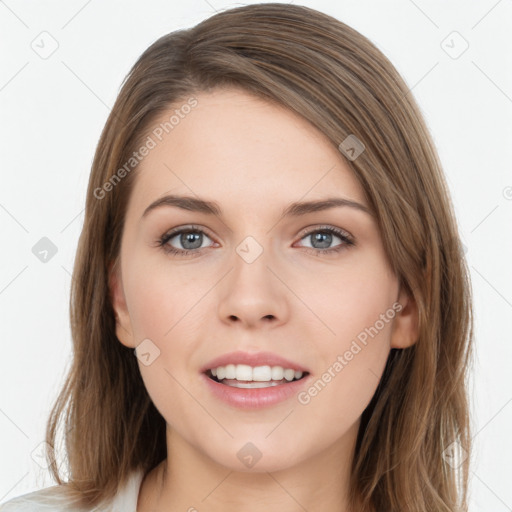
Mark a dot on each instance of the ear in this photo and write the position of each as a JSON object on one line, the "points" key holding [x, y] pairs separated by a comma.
{"points": [[405, 331], [123, 325]]}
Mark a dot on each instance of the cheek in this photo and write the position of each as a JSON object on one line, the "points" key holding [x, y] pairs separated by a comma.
{"points": [[358, 309], [163, 299], [349, 299], [167, 307], [165, 311]]}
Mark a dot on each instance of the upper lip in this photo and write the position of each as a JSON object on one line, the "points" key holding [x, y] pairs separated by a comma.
{"points": [[254, 359]]}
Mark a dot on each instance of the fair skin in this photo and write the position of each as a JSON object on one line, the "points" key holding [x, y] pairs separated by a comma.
{"points": [[254, 159]]}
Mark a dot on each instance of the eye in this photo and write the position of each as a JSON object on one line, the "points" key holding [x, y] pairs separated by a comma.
{"points": [[190, 238], [322, 238]]}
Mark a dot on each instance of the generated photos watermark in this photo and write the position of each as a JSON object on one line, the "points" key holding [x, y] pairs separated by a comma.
{"points": [[157, 135], [342, 360]]}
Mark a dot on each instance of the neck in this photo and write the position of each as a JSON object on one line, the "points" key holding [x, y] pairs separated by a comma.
{"points": [[189, 480]]}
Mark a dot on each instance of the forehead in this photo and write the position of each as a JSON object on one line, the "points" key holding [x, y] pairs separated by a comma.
{"points": [[239, 149]]}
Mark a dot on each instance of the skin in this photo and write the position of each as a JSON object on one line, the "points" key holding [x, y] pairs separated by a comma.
{"points": [[253, 158]]}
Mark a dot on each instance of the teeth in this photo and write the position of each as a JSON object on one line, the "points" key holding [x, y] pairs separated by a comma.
{"points": [[230, 371], [277, 373], [244, 372], [251, 385]]}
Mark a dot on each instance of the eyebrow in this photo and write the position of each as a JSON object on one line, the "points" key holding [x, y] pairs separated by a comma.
{"points": [[296, 209]]}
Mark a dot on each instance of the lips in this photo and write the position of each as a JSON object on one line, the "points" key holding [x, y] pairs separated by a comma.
{"points": [[249, 381], [255, 398]]}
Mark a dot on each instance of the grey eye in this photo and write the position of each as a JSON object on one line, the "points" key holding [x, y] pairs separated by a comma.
{"points": [[189, 239]]}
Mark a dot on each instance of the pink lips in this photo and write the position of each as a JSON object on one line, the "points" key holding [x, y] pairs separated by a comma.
{"points": [[254, 398]]}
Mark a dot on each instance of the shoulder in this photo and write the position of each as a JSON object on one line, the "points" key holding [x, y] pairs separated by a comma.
{"points": [[52, 498], [57, 499]]}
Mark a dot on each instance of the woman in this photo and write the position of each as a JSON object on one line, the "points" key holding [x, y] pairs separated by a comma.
{"points": [[268, 231]]}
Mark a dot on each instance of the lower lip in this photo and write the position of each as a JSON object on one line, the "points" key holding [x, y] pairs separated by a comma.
{"points": [[254, 398]]}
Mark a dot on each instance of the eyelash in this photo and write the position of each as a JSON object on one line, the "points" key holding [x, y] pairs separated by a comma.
{"points": [[347, 240]]}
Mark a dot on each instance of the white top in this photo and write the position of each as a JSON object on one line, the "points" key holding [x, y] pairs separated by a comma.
{"points": [[51, 498]]}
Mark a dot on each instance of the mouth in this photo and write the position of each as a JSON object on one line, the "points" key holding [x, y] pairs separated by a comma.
{"points": [[251, 377]]}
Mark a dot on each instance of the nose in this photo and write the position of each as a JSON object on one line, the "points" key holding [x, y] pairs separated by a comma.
{"points": [[253, 295]]}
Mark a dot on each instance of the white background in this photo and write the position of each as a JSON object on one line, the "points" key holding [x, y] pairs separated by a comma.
{"points": [[52, 113]]}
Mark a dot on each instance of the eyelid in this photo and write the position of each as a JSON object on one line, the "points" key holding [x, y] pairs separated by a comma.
{"points": [[303, 232], [320, 227], [187, 227]]}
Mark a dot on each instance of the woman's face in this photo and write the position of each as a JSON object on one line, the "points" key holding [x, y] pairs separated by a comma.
{"points": [[312, 287]]}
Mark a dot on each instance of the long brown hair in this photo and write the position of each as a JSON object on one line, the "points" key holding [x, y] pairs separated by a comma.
{"points": [[339, 81]]}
